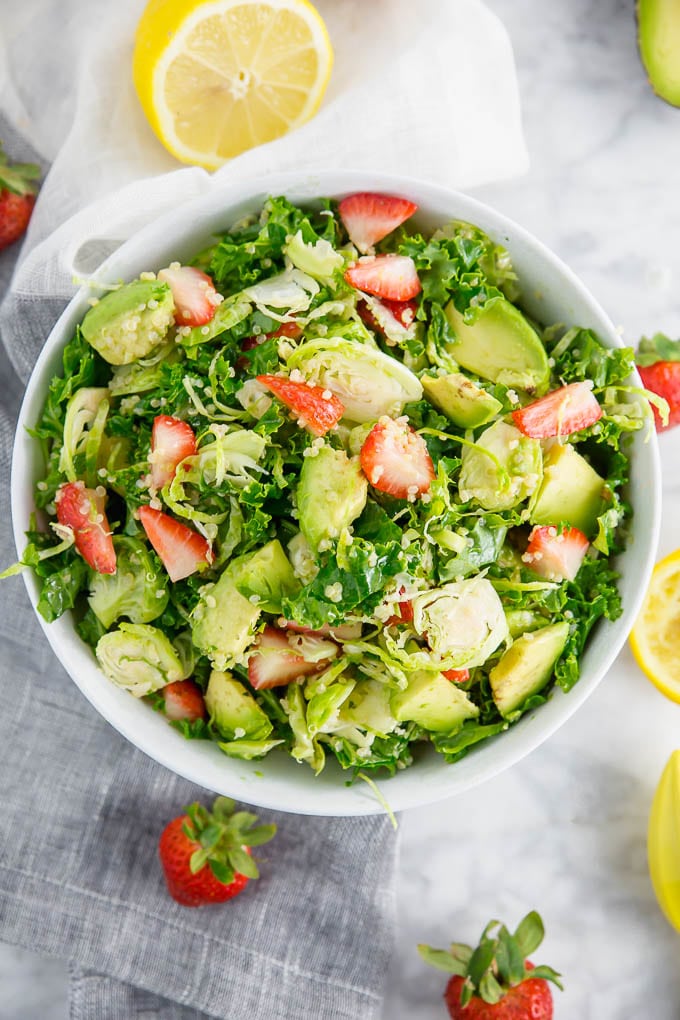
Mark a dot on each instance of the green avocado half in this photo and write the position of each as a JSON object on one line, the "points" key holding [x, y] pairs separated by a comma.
{"points": [[659, 43]]}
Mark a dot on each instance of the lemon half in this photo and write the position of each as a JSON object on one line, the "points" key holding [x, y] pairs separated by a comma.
{"points": [[655, 638], [216, 78]]}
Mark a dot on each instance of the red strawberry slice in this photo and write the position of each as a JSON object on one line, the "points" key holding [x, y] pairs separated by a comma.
{"points": [[559, 413], [316, 409], [663, 378], [171, 441], [369, 217], [181, 550], [404, 614], [274, 662], [392, 319], [556, 554], [288, 329], [456, 676], [193, 292], [82, 510], [340, 631], [396, 460], [391, 277], [184, 700]]}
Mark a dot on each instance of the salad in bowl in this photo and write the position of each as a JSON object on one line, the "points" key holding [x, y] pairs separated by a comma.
{"points": [[325, 491]]}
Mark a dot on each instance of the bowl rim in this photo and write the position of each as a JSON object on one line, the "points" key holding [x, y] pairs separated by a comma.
{"points": [[218, 199]]}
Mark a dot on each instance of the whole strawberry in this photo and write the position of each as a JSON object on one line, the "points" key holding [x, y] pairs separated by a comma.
{"points": [[495, 981], [658, 362], [206, 854], [17, 198]]}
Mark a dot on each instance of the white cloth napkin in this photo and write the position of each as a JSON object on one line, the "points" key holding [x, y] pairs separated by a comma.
{"points": [[426, 89]]}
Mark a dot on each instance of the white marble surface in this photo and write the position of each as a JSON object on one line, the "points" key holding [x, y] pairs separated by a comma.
{"points": [[565, 830]]}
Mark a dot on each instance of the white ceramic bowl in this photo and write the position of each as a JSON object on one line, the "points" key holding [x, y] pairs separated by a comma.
{"points": [[551, 294]]}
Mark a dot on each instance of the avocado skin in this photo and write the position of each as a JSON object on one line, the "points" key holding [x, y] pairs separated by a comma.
{"points": [[119, 331], [571, 491], [526, 667], [500, 345], [433, 702], [231, 707], [331, 494], [658, 21], [463, 403]]}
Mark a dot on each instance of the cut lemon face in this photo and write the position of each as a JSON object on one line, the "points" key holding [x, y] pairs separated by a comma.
{"points": [[217, 77], [655, 638]]}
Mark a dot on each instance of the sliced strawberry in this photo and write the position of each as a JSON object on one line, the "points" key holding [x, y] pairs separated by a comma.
{"points": [[554, 554], [404, 614], [396, 460], [274, 662], [391, 277], [559, 413], [316, 409], [292, 330], [82, 510], [171, 441], [341, 631], [457, 676], [663, 378], [393, 319], [193, 292], [369, 217], [182, 550], [184, 700]]}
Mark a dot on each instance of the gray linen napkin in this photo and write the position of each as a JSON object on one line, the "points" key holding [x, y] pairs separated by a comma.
{"points": [[82, 811]]}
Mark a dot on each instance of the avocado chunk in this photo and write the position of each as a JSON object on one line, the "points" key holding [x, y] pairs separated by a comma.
{"points": [[659, 42], [571, 491], [502, 469], [126, 324], [500, 345], [233, 710], [223, 622], [331, 494], [368, 707], [433, 702], [267, 574], [526, 667], [463, 403]]}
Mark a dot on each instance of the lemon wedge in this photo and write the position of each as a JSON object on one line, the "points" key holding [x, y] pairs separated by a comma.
{"points": [[655, 637], [217, 77], [663, 841]]}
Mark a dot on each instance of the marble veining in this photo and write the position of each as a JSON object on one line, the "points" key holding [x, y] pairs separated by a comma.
{"points": [[565, 830]]}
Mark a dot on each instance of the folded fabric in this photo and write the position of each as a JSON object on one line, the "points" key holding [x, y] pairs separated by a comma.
{"points": [[82, 809]]}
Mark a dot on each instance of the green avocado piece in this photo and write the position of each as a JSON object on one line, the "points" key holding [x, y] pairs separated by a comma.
{"points": [[501, 469], [126, 324], [500, 345], [460, 400], [526, 667], [571, 491], [233, 710], [659, 43], [223, 622], [331, 494], [368, 707], [433, 702], [266, 573]]}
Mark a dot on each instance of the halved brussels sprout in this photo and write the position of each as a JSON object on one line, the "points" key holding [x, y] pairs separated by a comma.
{"points": [[368, 382], [139, 658], [463, 620], [136, 590]]}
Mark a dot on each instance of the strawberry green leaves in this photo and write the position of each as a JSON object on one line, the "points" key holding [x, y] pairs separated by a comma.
{"points": [[658, 348], [497, 964], [222, 835]]}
